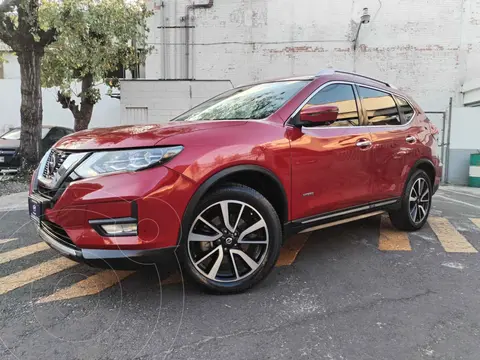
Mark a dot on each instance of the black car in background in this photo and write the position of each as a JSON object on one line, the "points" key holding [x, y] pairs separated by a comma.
{"points": [[10, 142]]}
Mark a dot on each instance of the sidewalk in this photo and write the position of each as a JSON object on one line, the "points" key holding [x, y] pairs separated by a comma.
{"points": [[16, 201]]}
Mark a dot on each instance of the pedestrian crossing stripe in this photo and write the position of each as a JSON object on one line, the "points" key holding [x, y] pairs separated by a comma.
{"points": [[476, 222], [389, 239], [449, 237], [21, 252], [19, 279]]}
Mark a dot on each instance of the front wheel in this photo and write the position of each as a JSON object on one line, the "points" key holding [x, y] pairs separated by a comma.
{"points": [[415, 204], [233, 241]]}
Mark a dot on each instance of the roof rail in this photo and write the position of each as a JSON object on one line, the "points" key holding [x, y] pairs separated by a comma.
{"points": [[333, 71]]}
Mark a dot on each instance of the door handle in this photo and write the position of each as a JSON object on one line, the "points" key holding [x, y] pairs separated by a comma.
{"points": [[411, 139], [364, 143]]}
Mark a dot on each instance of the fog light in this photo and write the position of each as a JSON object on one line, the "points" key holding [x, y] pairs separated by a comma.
{"points": [[120, 229]]}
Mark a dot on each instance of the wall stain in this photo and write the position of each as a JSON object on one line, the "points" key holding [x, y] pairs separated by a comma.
{"points": [[428, 48], [298, 49]]}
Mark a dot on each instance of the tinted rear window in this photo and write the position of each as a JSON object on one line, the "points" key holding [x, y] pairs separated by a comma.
{"points": [[406, 109]]}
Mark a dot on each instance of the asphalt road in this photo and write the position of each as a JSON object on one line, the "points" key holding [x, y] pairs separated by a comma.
{"points": [[357, 291]]}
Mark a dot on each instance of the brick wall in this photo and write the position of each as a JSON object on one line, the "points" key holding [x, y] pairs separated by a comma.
{"points": [[428, 48]]}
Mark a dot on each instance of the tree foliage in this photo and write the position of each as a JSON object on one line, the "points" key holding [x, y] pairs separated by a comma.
{"points": [[96, 37]]}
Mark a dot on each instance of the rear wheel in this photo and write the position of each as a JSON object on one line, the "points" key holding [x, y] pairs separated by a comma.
{"points": [[233, 241], [415, 204]]}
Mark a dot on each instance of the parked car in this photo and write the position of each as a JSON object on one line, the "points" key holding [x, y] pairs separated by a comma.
{"points": [[10, 143], [226, 182]]}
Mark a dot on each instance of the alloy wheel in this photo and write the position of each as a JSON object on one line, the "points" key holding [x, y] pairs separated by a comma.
{"points": [[419, 200], [228, 241]]}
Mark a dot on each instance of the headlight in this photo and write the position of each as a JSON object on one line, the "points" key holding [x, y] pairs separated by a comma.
{"points": [[106, 162]]}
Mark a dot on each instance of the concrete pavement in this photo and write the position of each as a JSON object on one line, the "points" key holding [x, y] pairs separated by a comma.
{"points": [[358, 291]]}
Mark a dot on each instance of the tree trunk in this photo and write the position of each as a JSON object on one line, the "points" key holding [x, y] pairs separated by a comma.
{"points": [[83, 117], [31, 109]]}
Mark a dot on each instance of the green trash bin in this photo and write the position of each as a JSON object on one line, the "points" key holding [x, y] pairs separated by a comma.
{"points": [[474, 172]]}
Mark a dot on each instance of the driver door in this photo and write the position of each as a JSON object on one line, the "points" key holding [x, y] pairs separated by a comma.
{"points": [[330, 162]]}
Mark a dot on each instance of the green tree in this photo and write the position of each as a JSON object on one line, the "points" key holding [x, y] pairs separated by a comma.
{"points": [[97, 38], [21, 30]]}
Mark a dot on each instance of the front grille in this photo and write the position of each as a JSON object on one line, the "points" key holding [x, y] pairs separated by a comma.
{"points": [[54, 162], [48, 193], [58, 233]]}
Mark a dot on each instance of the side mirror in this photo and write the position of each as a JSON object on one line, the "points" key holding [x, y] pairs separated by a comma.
{"points": [[318, 114]]}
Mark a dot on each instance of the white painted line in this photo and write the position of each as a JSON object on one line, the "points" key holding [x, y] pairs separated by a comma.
{"points": [[457, 201], [460, 193], [4, 241], [454, 265]]}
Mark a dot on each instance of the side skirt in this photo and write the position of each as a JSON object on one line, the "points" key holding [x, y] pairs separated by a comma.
{"points": [[338, 217]]}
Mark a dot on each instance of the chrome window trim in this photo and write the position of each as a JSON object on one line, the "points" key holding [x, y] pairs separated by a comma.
{"points": [[393, 96], [353, 84]]}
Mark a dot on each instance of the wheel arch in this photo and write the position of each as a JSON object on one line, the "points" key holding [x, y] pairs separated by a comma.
{"points": [[425, 165], [271, 187]]}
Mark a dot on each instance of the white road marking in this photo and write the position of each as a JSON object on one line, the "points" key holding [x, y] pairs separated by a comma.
{"points": [[457, 201], [454, 265]]}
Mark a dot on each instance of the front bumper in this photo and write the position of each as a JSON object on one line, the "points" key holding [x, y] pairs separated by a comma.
{"points": [[116, 259], [154, 198]]}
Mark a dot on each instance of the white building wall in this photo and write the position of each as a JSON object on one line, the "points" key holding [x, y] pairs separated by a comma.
{"points": [[105, 113], [464, 141], [158, 101], [427, 48]]}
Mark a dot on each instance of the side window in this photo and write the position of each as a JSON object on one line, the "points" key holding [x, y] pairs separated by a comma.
{"points": [[405, 109], [380, 106], [341, 96]]}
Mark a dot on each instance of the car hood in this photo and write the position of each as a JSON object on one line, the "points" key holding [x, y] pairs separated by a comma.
{"points": [[124, 137], [9, 144]]}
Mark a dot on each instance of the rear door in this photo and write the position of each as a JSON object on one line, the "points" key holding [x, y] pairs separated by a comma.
{"points": [[390, 137], [331, 162]]}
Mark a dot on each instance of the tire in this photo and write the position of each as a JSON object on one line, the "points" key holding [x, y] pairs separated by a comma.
{"points": [[406, 218], [227, 270]]}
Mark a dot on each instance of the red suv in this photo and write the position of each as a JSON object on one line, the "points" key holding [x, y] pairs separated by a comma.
{"points": [[226, 182]]}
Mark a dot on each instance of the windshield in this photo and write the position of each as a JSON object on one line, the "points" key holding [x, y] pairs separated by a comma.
{"points": [[15, 134], [244, 103]]}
